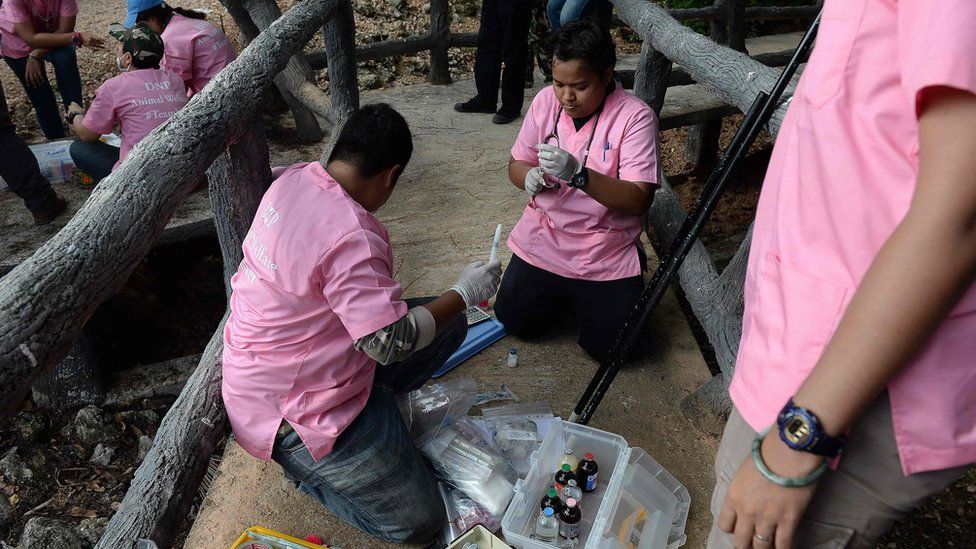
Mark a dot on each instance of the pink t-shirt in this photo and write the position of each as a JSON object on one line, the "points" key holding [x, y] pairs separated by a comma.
{"points": [[196, 50], [43, 14], [138, 101], [840, 180], [565, 231], [317, 274]]}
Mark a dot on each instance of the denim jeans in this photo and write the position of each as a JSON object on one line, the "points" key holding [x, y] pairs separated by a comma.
{"points": [[18, 167], [49, 116], [563, 12], [95, 158], [375, 478]]}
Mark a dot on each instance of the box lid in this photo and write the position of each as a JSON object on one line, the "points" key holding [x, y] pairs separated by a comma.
{"points": [[648, 508]]}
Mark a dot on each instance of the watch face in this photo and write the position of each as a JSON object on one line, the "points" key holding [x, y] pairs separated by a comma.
{"points": [[798, 430]]}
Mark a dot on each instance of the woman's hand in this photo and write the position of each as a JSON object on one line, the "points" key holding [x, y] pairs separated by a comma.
{"points": [[759, 513], [34, 73], [89, 41], [557, 162]]}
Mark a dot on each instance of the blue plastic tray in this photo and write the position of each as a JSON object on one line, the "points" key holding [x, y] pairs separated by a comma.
{"points": [[479, 336]]}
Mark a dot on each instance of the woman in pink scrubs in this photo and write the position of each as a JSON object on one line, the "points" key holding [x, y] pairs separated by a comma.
{"points": [[587, 157], [195, 49], [857, 344]]}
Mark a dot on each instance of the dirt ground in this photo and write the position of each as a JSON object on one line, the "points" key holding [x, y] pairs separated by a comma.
{"points": [[642, 406]]}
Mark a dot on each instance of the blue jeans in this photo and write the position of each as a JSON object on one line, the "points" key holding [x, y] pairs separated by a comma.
{"points": [[375, 478], [95, 158], [49, 116], [563, 12]]}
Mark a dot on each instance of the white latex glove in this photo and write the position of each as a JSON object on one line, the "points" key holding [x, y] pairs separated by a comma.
{"points": [[535, 181], [557, 162], [478, 281]]}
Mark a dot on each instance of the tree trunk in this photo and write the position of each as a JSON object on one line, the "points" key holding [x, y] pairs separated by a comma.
{"points": [[440, 31], [701, 143], [340, 49], [652, 77], [306, 125], [74, 382], [297, 81], [46, 299], [242, 174], [166, 482]]}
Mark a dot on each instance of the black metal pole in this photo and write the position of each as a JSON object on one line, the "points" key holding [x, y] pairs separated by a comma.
{"points": [[634, 327]]}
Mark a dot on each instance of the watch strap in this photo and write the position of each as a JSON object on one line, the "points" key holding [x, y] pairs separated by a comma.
{"points": [[820, 443]]}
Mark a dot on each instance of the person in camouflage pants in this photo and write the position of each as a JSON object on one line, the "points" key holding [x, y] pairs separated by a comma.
{"points": [[540, 44]]}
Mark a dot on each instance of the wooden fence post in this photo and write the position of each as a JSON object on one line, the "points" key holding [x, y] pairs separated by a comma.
{"points": [[440, 32], [652, 77], [701, 144], [339, 33]]}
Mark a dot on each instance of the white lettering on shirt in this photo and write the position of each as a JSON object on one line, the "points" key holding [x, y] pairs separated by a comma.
{"points": [[260, 251], [269, 216]]}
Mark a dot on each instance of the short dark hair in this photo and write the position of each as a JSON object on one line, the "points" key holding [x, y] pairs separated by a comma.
{"points": [[587, 42], [374, 138], [164, 13]]}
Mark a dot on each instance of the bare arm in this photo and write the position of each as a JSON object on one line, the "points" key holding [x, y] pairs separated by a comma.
{"points": [[629, 197], [517, 170], [50, 40], [79, 127]]}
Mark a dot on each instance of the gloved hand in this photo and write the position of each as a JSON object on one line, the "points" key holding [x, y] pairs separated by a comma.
{"points": [[535, 182], [478, 281], [557, 162]]}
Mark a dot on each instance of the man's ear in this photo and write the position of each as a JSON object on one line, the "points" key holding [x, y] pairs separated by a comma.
{"points": [[392, 175]]}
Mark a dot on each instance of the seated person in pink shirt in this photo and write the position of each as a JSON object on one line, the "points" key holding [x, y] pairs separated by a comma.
{"points": [[195, 49], [319, 338], [858, 348], [138, 100], [587, 158]]}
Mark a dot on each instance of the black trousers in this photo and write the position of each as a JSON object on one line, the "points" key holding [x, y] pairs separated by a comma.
{"points": [[18, 167], [533, 301], [503, 38]]}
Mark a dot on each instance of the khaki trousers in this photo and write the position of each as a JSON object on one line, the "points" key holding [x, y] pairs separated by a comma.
{"points": [[854, 505]]}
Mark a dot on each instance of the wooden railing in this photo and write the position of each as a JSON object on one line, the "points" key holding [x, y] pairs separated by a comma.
{"points": [[46, 300]]}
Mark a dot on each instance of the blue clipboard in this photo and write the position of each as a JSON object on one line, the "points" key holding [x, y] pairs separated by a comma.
{"points": [[479, 336]]}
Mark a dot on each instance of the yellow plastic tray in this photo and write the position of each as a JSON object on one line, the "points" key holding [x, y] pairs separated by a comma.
{"points": [[260, 533]]}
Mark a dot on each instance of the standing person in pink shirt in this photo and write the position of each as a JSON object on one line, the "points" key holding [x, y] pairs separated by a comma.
{"points": [[33, 32], [857, 345], [195, 48], [138, 100], [587, 158], [319, 338]]}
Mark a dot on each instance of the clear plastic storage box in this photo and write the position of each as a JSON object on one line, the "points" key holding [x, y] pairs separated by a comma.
{"points": [[636, 505]]}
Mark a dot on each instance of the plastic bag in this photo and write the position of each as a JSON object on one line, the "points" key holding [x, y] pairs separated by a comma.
{"points": [[481, 474], [430, 409], [515, 431], [468, 513]]}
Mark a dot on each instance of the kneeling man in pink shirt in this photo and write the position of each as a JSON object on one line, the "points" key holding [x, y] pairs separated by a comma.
{"points": [[320, 339]]}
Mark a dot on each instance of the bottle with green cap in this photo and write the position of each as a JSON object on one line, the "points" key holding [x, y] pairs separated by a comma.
{"points": [[564, 475], [551, 499]]}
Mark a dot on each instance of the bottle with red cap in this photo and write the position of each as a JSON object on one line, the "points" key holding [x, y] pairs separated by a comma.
{"points": [[587, 473]]}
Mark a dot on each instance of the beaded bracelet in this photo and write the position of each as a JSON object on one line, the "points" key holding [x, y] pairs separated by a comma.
{"points": [[800, 482]]}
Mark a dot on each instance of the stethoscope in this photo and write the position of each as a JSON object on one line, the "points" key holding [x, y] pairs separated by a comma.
{"points": [[554, 134]]}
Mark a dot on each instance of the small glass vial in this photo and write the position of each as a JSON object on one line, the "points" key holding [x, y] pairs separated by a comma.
{"points": [[572, 490], [512, 357], [547, 527]]}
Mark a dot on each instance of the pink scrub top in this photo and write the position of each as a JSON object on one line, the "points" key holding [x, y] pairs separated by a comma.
{"points": [[196, 50], [317, 274], [840, 180], [43, 14], [138, 101], [565, 231]]}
